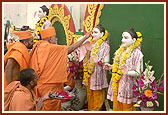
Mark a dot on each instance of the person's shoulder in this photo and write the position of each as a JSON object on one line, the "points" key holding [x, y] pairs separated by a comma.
{"points": [[18, 93], [41, 43], [58, 46], [18, 46], [21, 94], [105, 44], [137, 52]]}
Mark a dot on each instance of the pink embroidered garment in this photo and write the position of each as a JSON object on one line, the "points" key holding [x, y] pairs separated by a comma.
{"points": [[98, 79], [125, 92]]}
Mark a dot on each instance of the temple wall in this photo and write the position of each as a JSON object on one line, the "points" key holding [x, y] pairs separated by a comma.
{"points": [[145, 18]]}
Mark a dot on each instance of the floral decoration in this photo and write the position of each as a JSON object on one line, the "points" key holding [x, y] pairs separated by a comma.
{"points": [[75, 67], [147, 88]]}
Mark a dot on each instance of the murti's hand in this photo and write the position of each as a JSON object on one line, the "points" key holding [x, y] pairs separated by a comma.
{"points": [[107, 66], [124, 69], [95, 58]]}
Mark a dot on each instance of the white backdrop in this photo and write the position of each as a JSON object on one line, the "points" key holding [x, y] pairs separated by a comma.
{"points": [[23, 13]]}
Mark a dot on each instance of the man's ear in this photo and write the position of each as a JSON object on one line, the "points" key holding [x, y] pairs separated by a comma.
{"points": [[31, 83], [25, 43], [49, 40]]}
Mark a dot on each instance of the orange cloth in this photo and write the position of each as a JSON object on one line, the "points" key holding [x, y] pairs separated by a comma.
{"points": [[95, 98], [70, 81], [118, 106], [51, 104], [18, 98], [19, 52], [23, 34], [50, 64], [49, 32]]}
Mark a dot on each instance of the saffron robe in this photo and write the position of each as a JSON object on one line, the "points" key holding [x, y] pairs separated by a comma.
{"points": [[19, 52], [50, 64], [18, 98]]}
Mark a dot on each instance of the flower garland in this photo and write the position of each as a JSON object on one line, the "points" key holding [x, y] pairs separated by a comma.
{"points": [[116, 71], [74, 66], [39, 24], [89, 66]]}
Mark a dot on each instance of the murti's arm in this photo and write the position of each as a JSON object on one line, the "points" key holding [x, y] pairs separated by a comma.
{"points": [[107, 58], [132, 73], [107, 66], [138, 70]]}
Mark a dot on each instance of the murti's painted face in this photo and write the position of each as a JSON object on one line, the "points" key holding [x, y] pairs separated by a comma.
{"points": [[41, 14], [127, 39], [96, 34]]}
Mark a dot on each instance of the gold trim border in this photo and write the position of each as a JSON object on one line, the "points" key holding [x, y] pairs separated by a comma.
{"points": [[88, 22], [57, 14]]}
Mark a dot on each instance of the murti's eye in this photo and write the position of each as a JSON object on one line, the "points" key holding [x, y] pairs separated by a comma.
{"points": [[125, 37]]}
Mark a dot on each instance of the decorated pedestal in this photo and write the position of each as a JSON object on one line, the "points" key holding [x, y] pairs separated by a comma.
{"points": [[147, 108]]}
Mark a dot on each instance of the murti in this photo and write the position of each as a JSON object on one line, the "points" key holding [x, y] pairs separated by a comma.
{"points": [[88, 71]]}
